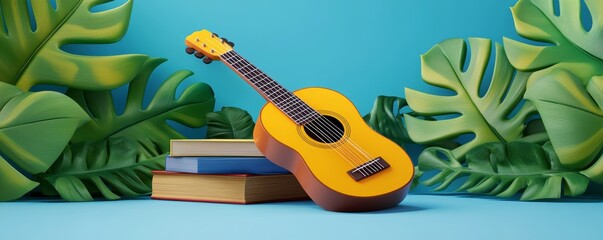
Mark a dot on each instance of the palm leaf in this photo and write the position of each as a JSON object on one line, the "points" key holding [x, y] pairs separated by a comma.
{"points": [[33, 56], [489, 117], [111, 168], [572, 115], [34, 129], [569, 45], [150, 123], [230, 123], [504, 169]]}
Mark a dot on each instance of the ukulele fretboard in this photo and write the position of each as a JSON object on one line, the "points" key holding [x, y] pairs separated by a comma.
{"points": [[285, 100]]}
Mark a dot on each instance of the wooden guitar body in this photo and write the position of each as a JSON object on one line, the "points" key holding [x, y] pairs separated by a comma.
{"points": [[322, 168]]}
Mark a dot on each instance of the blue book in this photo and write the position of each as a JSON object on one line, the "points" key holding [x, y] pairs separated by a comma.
{"points": [[223, 165]]}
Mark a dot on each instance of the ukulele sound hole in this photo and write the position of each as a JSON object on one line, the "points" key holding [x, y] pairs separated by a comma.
{"points": [[325, 129]]}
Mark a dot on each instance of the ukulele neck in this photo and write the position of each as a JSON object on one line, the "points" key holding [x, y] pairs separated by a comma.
{"points": [[286, 101]]}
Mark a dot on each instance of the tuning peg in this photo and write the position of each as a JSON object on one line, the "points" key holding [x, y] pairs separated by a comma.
{"points": [[207, 60], [215, 35], [189, 50], [224, 40], [199, 55]]}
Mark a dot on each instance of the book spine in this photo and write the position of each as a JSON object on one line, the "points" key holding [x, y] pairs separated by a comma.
{"points": [[223, 165]]}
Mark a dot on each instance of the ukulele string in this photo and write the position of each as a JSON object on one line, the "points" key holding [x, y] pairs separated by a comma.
{"points": [[317, 132], [332, 136], [343, 154], [333, 144], [335, 131], [286, 106], [243, 64], [322, 135], [327, 129], [320, 129]]}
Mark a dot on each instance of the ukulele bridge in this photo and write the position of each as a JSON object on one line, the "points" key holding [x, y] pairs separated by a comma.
{"points": [[368, 169]]}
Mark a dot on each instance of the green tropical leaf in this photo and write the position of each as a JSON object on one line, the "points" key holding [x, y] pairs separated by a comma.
{"points": [[569, 45], [387, 119], [230, 123], [491, 117], [504, 169], [13, 184], [415, 180], [31, 57], [535, 132], [572, 115], [111, 168], [150, 123], [34, 130], [595, 172]]}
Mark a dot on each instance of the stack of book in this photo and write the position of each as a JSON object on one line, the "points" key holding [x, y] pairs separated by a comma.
{"points": [[220, 170]]}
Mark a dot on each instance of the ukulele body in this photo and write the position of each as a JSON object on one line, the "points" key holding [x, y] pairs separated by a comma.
{"points": [[322, 168]]}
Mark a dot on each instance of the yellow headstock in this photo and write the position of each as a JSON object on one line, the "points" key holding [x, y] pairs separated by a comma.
{"points": [[207, 43]]}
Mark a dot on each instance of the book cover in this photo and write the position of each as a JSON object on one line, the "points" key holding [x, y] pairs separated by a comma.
{"points": [[213, 147], [223, 165], [226, 188]]}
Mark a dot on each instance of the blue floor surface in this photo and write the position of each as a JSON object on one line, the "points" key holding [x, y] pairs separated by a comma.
{"points": [[418, 217]]}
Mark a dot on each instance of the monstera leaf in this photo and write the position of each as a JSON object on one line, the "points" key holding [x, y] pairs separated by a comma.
{"points": [[145, 124], [33, 56], [387, 119], [569, 45], [492, 117], [34, 129], [112, 168], [504, 169], [230, 123], [595, 172], [572, 115]]}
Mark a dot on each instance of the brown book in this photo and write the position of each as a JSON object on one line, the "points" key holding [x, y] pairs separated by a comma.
{"points": [[213, 147], [226, 188]]}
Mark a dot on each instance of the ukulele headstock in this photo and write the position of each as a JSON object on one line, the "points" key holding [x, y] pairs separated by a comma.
{"points": [[207, 44]]}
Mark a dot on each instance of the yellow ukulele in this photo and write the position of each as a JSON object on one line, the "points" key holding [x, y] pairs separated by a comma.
{"points": [[319, 136]]}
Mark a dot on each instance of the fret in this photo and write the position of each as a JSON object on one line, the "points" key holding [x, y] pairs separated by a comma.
{"points": [[228, 56], [251, 73], [242, 65], [294, 107], [236, 61], [246, 68], [307, 118], [287, 102], [284, 105], [270, 87], [279, 98], [257, 78], [300, 111]]}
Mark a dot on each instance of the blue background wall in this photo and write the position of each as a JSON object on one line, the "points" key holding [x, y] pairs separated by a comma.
{"points": [[361, 48]]}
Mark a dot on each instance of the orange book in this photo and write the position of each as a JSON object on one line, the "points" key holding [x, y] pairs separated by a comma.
{"points": [[226, 188]]}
